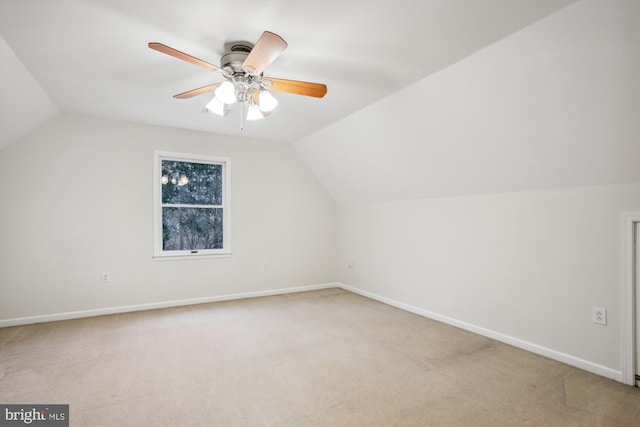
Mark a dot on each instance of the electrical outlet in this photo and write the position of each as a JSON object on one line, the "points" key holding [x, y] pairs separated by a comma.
{"points": [[265, 266], [105, 277], [599, 315], [352, 265]]}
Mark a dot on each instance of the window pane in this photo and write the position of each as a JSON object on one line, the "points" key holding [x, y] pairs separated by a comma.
{"points": [[191, 183], [191, 229]]}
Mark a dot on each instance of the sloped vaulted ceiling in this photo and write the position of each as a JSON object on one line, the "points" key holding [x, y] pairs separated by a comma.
{"points": [[24, 104], [556, 105], [91, 57]]}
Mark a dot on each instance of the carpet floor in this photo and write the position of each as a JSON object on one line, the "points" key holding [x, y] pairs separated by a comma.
{"points": [[321, 358]]}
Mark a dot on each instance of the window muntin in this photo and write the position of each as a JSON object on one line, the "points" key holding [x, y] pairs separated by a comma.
{"points": [[192, 205]]}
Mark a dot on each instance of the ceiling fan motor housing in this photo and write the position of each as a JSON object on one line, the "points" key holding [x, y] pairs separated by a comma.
{"points": [[231, 62]]}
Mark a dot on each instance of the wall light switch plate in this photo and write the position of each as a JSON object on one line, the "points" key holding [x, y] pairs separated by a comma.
{"points": [[599, 315]]}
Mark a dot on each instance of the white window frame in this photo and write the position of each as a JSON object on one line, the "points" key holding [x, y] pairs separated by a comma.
{"points": [[158, 252]]}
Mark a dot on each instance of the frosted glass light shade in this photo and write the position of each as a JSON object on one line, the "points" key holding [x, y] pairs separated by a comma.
{"points": [[254, 113], [267, 101], [215, 106], [226, 93]]}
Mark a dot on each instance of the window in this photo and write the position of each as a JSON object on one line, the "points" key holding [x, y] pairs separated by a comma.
{"points": [[191, 202]]}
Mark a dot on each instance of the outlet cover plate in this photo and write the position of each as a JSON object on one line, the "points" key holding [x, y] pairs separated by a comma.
{"points": [[599, 315]]}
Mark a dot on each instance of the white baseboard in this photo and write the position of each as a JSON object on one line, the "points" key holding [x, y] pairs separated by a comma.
{"points": [[525, 345], [152, 306], [516, 342]]}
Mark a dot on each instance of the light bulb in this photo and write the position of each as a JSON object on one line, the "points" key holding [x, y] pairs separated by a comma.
{"points": [[254, 113], [165, 180], [215, 106], [267, 101], [226, 93], [183, 180]]}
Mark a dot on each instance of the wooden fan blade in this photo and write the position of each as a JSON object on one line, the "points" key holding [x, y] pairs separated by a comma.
{"points": [[265, 51], [196, 92], [316, 90], [181, 55]]}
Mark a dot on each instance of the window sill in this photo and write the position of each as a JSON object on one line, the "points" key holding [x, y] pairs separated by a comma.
{"points": [[190, 256]]}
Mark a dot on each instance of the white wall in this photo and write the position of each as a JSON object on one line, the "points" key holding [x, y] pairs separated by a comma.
{"points": [[527, 265], [76, 200], [490, 194]]}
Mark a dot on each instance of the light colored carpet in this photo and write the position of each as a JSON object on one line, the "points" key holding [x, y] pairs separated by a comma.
{"points": [[322, 358]]}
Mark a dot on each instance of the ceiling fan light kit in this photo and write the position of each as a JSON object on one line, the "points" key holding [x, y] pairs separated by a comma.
{"points": [[245, 86], [215, 106], [226, 93]]}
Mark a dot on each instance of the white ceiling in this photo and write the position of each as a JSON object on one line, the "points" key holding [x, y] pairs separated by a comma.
{"points": [[91, 57]]}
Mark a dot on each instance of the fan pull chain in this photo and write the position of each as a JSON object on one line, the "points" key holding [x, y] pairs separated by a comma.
{"points": [[242, 116]]}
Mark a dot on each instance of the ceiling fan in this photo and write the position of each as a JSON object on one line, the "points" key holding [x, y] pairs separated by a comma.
{"points": [[244, 85]]}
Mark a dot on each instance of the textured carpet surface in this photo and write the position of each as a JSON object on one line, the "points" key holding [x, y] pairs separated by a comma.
{"points": [[322, 358]]}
